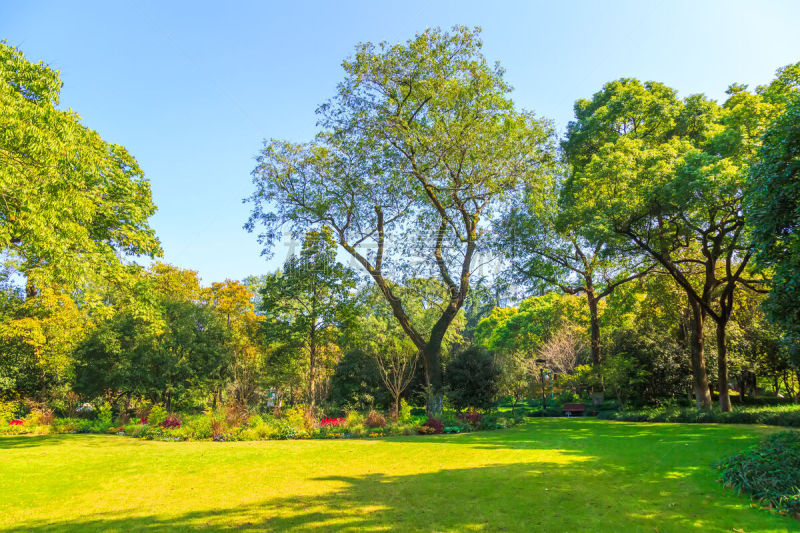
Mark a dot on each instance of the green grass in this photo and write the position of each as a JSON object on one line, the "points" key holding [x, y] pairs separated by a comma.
{"points": [[548, 475]]}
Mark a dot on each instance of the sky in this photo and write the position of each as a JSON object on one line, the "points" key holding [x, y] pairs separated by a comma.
{"points": [[192, 89]]}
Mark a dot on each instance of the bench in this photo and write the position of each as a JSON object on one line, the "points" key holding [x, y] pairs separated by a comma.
{"points": [[574, 408]]}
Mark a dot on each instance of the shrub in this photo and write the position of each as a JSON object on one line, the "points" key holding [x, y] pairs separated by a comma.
{"points": [[404, 416], [473, 418], [216, 427], [171, 422], [784, 415], [104, 415], [434, 424], [44, 416], [354, 420], [255, 421], [8, 411], [67, 425], [375, 420], [156, 415], [769, 471], [236, 414], [298, 418], [472, 377], [196, 428]]}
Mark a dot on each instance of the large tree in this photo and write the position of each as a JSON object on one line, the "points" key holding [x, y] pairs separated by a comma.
{"points": [[71, 204], [419, 145], [774, 215], [668, 176]]}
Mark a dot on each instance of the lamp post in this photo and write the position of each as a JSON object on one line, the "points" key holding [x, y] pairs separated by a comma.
{"points": [[541, 363]]}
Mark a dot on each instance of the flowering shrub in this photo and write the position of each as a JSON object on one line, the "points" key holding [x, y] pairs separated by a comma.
{"points": [[435, 424], [16, 422], [332, 422], [473, 418], [171, 422]]}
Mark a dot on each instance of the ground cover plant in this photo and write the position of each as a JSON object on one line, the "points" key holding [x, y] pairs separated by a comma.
{"points": [[770, 471], [774, 415], [546, 475]]}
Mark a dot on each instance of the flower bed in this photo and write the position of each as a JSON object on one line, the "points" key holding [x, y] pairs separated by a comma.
{"points": [[295, 423]]}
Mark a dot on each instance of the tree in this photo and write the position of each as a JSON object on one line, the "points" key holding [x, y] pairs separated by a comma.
{"points": [[168, 348], [547, 253], [563, 349], [527, 328], [129, 356], [357, 382], [668, 176], [397, 359], [71, 204], [233, 301], [420, 144], [774, 216], [307, 302], [37, 338], [472, 379]]}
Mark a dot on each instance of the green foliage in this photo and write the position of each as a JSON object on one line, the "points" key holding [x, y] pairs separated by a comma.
{"points": [[774, 214], [306, 306], [8, 411], [768, 415], [157, 415], [104, 415], [404, 117], [472, 379], [404, 415], [356, 382], [73, 203], [769, 471], [127, 354]]}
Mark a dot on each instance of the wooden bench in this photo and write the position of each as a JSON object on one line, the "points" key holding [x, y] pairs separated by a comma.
{"points": [[574, 408]]}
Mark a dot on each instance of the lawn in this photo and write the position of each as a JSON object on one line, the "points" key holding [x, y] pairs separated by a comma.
{"points": [[548, 475]]}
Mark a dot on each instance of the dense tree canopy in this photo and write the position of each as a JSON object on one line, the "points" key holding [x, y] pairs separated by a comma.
{"points": [[774, 215], [71, 204], [419, 146]]}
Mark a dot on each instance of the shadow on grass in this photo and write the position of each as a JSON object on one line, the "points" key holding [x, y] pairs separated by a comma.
{"points": [[588, 477], [12, 442]]}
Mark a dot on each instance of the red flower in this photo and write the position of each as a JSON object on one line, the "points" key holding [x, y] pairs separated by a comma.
{"points": [[16, 422], [332, 422]]}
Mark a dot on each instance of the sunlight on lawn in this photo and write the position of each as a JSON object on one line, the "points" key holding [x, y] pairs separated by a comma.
{"points": [[553, 475]]}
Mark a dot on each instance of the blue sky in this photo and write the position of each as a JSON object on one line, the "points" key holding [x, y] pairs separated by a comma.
{"points": [[192, 88]]}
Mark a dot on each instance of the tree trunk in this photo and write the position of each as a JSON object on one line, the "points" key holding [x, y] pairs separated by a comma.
{"points": [[595, 326], [432, 362], [396, 407], [702, 395], [312, 361], [30, 289], [722, 367]]}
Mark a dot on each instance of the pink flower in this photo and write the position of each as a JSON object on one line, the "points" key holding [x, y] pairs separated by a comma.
{"points": [[16, 422]]}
